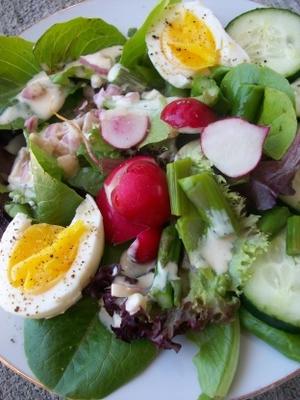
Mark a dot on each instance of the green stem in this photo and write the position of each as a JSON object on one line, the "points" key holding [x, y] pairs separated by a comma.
{"points": [[293, 236]]}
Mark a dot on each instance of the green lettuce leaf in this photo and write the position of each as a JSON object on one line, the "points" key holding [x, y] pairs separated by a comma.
{"points": [[46, 161], [217, 359], [67, 41], [56, 203], [17, 67], [78, 357], [88, 179], [135, 55]]}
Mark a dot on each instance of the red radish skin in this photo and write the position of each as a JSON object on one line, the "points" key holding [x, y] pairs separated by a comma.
{"points": [[188, 115], [234, 145], [133, 199], [123, 129], [141, 195], [117, 228], [145, 247]]}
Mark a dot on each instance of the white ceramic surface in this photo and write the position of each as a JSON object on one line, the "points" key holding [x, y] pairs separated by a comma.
{"points": [[171, 376]]}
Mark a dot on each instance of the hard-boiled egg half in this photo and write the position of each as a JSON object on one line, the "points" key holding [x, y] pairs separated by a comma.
{"points": [[43, 268], [187, 40]]}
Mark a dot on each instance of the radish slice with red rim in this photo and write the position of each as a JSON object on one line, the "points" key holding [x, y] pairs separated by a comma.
{"points": [[123, 129], [233, 145], [188, 115]]}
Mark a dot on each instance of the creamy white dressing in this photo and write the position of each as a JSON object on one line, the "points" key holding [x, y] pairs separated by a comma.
{"points": [[122, 288], [96, 81], [220, 222], [135, 302], [217, 251], [47, 97], [164, 274], [14, 112], [21, 178], [134, 269], [104, 58]]}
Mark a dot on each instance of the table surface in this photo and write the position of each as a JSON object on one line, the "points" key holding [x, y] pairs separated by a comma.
{"points": [[15, 16]]}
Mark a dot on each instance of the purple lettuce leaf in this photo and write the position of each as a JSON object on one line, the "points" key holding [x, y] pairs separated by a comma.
{"points": [[271, 179]]}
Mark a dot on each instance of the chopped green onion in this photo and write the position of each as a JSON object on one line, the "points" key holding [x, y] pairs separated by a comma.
{"points": [[273, 221], [293, 236], [172, 91], [210, 202], [175, 171], [205, 89], [121, 76]]}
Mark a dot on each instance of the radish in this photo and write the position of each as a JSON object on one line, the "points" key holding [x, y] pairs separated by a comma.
{"points": [[234, 145], [145, 247], [133, 199], [188, 115], [117, 228], [141, 194], [123, 129]]}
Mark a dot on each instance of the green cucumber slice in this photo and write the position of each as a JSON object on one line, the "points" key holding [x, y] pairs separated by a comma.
{"points": [[270, 36]]}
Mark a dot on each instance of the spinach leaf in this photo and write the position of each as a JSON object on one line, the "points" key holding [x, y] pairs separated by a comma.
{"points": [[17, 67], [67, 41], [55, 202], [278, 112], [12, 209], [217, 359], [159, 131], [77, 357], [88, 179], [287, 343], [251, 74], [46, 161]]}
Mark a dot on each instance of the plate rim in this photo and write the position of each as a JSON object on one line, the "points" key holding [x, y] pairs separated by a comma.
{"points": [[35, 381]]}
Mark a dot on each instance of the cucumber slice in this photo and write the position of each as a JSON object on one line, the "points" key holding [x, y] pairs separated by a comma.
{"points": [[296, 86], [270, 36], [274, 289], [272, 321]]}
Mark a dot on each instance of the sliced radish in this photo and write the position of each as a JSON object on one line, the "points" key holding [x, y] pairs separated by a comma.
{"points": [[233, 145], [123, 129], [117, 228], [188, 115], [145, 247]]}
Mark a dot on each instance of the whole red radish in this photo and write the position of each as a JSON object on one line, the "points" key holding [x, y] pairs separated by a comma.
{"points": [[145, 247], [141, 194], [188, 115], [117, 228], [134, 197]]}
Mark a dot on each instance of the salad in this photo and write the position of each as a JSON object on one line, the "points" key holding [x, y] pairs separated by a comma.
{"points": [[150, 188]]}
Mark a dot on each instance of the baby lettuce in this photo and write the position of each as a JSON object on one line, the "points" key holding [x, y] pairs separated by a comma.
{"points": [[77, 357], [55, 202], [67, 41], [17, 66], [217, 359], [261, 95]]}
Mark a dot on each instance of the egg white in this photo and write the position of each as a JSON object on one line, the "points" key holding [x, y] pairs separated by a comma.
{"points": [[169, 67], [67, 290]]}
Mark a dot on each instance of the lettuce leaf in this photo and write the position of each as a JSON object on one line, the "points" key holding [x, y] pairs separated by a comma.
{"points": [[17, 67], [217, 359], [67, 41], [56, 203], [78, 357]]}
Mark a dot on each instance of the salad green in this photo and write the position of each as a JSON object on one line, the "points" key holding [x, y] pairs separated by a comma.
{"points": [[149, 180]]}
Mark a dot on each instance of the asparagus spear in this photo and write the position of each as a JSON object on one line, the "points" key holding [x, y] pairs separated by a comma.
{"points": [[175, 171], [166, 285], [293, 236]]}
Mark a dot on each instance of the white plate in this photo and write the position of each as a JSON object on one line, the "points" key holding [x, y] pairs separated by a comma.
{"points": [[171, 375]]}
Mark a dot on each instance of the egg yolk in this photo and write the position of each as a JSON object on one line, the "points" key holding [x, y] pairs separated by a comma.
{"points": [[191, 42], [43, 255]]}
